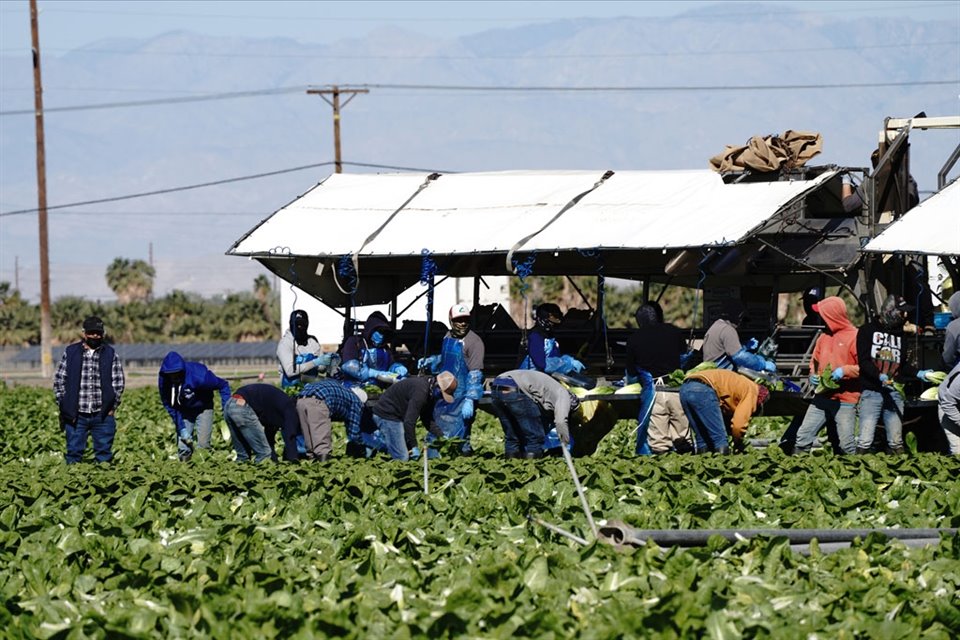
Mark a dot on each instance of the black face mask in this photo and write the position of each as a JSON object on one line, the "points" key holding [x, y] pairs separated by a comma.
{"points": [[93, 343]]}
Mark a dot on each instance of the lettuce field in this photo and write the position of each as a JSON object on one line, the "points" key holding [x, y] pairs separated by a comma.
{"points": [[149, 547]]}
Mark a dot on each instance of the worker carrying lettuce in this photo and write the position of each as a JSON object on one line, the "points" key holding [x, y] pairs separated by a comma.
{"points": [[461, 353]]}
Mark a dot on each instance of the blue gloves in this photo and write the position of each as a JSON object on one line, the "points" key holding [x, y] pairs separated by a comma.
{"points": [[884, 378], [770, 366], [428, 363], [922, 375], [376, 373], [837, 374], [466, 409], [751, 344], [571, 364], [814, 380], [398, 369], [684, 359], [305, 357]]}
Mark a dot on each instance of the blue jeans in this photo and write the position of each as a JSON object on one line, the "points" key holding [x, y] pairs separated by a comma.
{"points": [[199, 427], [388, 438], [102, 430], [702, 406], [247, 434], [874, 406], [521, 419], [824, 411]]}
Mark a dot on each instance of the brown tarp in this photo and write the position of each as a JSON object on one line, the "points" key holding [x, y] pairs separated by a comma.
{"points": [[769, 153]]}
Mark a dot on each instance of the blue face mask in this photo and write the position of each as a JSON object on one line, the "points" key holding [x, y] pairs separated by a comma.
{"points": [[377, 338]]}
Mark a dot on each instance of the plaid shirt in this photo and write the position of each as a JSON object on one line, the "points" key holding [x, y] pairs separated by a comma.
{"points": [[91, 400], [343, 404]]}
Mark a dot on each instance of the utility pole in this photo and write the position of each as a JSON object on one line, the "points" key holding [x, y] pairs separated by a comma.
{"points": [[335, 91], [46, 358], [16, 273]]}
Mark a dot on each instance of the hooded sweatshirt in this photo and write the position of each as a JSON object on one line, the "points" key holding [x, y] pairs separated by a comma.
{"points": [[354, 347], [292, 345], [194, 394], [949, 398], [837, 348], [951, 341]]}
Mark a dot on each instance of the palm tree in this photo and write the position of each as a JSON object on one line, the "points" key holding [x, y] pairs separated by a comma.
{"points": [[130, 279], [19, 320]]}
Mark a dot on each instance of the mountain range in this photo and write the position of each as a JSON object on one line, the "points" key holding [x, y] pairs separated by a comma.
{"points": [[661, 93]]}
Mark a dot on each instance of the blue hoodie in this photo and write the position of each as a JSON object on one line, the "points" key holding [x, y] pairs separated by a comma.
{"points": [[194, 394]]}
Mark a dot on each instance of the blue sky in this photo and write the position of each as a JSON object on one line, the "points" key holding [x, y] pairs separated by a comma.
{"points": [[65, 25]]}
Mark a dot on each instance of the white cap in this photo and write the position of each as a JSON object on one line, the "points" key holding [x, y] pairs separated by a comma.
{"points": [[459, 310]]}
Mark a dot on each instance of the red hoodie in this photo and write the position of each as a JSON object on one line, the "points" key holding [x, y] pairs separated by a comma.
{"points": [[838, 348]]}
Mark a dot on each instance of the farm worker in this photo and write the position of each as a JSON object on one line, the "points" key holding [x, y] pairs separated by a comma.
{"points": [[654, 350], [835, 350], [301, 358], [712, 397], [543, 351], [396, 411], [368, 357], [812, 296], [254, 414], [526, 402], [948, 409], [186, 391], [882, 358], [951, 339], [88, 386], [461, 353], [721, 342], [321, 402]]}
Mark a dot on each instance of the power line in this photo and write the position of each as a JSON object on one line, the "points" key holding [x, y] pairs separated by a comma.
{"points": [[161, 101], [217, 183], [498, 89]]}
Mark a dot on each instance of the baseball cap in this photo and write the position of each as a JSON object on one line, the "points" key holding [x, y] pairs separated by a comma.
{"points": [[93, 324], [447, 383], [903, 305], [459, 310]]}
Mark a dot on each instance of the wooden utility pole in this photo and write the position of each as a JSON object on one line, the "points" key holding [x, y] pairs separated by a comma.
{"points": [[335, 91], [46, 358]]}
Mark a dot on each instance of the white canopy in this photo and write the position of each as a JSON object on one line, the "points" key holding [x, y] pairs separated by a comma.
{"points": [[470, 213], [932, 227]]}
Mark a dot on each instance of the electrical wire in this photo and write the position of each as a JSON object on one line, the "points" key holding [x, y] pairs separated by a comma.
{"points": [[492, 89], [215, 183]]}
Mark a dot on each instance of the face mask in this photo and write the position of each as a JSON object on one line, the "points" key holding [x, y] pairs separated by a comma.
{"points": [[376, 338], [459, 328], [93, 343]]}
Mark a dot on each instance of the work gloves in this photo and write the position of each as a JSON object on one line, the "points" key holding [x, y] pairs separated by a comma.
{"points": [[428, 363], [837, 374], [466, 409], [922, 375]]}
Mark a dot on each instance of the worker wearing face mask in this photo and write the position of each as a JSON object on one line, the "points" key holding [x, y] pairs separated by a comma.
{"points": [[461, 353], [368, 358], [186, 391], [543, 351], [88, 385], [301, 359]]}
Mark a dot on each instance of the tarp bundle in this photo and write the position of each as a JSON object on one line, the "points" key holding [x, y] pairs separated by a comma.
{"points": [[770, 153]]}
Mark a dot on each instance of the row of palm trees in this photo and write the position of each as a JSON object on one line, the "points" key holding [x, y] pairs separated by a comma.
{"points": [[248, 316]]}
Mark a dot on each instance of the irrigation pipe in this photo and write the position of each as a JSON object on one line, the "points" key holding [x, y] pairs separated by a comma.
{"points": [[620, 533], [576, 482]]}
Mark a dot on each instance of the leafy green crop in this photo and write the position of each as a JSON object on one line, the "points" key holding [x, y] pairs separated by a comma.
{"points": [[826, 383], [149, 547]]}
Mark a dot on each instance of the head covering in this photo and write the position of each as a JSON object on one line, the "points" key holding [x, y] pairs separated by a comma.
{"points": [[548, 315], [93, 324], [893, 312], [763, 394], [459, 310], [299, 321], [733, 311], [447, 384], [646, 315]]}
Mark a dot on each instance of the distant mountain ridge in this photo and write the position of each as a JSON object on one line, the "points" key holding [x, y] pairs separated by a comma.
{"points": [[94, 154]]}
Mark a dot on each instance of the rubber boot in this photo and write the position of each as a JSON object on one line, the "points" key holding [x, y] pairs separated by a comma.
{"points": [[862, 450], [896, 451], [533, 455], [724, 451], [511, 455]]}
